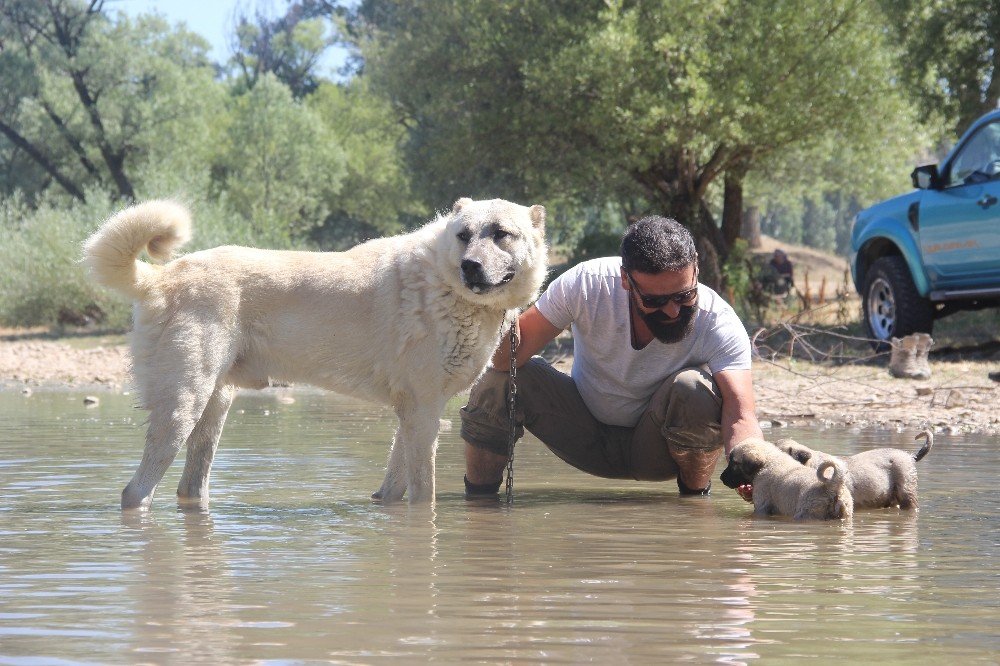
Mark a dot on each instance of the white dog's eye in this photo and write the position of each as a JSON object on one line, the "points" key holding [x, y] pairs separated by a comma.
{"points": [[465, 235], [500, 234]]}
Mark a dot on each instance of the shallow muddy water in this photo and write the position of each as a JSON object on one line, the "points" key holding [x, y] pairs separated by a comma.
{"points": [[293, 563]]}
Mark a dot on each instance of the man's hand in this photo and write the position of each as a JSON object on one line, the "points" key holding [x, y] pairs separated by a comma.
{"points": [[746, 492]]}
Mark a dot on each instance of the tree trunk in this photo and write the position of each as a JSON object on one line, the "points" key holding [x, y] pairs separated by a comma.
{"points": [[73, 141], [696, 217], [732, 204], [50, 167], [709, 266], [114, 159], [675, 190], [751, 227]]}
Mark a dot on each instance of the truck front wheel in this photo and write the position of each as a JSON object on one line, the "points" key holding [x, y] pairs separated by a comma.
{"points": [[891, 305]]}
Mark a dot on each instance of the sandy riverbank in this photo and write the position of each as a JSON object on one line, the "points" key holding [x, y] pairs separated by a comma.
{"points": [[34, 361], [959, 396]]}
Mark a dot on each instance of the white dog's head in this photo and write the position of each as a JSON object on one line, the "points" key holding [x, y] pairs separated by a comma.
{"points": [[493, 252]]}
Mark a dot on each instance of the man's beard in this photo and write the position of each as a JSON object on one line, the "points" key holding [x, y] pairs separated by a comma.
{"points": [[667, 331]]}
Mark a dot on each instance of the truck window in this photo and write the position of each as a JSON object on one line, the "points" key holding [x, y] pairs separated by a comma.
{"points": [[979, 159]]}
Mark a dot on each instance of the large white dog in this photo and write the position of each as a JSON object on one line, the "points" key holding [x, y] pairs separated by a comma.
{"points": [[407, 321]]}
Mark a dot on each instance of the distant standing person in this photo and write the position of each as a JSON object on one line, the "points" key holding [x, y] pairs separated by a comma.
{"points": [[782, 266]]}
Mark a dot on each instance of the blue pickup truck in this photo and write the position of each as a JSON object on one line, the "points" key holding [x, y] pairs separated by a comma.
{"points": [[923, 255]]}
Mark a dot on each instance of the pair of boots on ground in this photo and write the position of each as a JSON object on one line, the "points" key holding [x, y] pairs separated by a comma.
{"points": [[909, 356]]}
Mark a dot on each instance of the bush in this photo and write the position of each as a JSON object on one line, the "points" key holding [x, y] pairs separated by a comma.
{"points": [[44, 282]]}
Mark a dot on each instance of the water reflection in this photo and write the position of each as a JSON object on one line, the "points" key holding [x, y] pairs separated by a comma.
{"points": [[293, 562], [187, 589]]}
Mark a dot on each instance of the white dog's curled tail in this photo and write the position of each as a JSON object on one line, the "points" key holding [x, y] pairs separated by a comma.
{"points": [[158, 227], [838, 476], [928, 436]]}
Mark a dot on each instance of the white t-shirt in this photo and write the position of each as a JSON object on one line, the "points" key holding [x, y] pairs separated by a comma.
{"points": [[615, 380]]}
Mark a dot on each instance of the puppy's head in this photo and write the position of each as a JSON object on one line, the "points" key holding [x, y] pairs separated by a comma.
{"points": [[745, 461], [798, 451]]}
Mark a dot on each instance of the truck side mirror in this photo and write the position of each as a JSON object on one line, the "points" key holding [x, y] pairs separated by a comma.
{"points": [[925, 177]]}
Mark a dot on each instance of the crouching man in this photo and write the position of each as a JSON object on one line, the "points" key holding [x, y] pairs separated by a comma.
{"points": [[661, 381]]}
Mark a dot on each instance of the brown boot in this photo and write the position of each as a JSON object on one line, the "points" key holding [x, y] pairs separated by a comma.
{"points": [[694, 468]]}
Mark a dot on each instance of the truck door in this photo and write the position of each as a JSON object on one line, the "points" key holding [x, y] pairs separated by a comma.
{"points": [[959, 225]]}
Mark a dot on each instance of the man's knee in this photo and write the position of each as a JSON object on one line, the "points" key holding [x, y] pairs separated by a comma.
{"points": [[485, 419], [690, 407], [696, 383]]}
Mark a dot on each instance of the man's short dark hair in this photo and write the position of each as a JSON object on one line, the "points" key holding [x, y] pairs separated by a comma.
{"points": [[655, 244]]}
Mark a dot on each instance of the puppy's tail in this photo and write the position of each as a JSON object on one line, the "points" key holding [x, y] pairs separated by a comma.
{"points": [[112, 253], [836, 478], [842, 503], [928, 436]]}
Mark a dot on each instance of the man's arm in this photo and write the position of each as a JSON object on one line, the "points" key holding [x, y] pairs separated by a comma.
{"points": [[739, 418], [533, 332]]}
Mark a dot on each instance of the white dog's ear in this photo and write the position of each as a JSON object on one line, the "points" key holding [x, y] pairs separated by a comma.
{"points": [[460, 204], [537, 214]]}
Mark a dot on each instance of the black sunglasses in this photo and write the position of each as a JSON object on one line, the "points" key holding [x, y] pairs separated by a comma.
{"points": [[653, 302]]}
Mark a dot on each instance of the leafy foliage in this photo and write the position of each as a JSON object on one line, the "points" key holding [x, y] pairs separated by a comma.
{"points": [[43, 281], [98, 110], [287, 46], [90, 98], [950, 59], [652, 98], [279, 166], [376, 197], [604, 112]]}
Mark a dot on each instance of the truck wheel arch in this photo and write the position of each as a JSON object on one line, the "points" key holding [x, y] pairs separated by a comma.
{"points": [[873, 250]]}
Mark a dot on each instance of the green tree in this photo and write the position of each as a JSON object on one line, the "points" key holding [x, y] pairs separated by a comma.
{"points": [[823, 221], [288, 46], [281, 166], [86, 98], [375, 198], [951, 56], [456, 72], [659, 98]]}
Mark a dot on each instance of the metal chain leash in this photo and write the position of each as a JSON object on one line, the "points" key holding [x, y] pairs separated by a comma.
{"points": [[511, 416]]}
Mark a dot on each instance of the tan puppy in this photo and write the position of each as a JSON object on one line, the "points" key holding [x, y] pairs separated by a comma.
{"points": [[407, 321], [877, 478], [782, 486]]}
